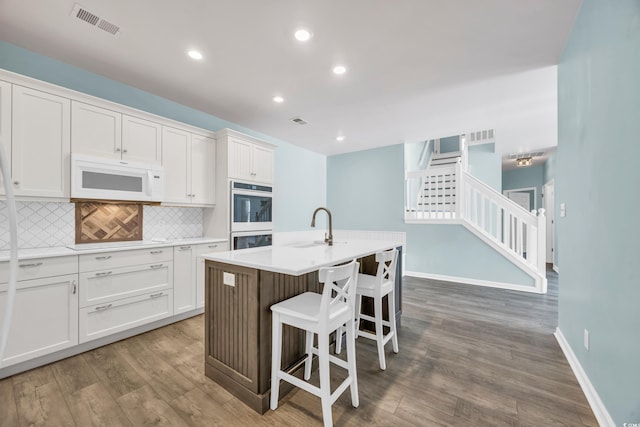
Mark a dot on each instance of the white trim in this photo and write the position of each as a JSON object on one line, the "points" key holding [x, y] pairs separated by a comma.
{"points": [[468, 281], [597, 406], [556, 268], [522, 190]]}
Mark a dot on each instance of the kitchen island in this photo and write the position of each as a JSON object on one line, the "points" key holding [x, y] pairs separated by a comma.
{"points": [[240, 288]]}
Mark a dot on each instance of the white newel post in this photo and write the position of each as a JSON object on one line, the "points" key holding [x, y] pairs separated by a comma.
{"points": [[542, 242], [459, 192]]}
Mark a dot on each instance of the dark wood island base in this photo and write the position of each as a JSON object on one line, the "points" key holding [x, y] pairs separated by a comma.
{"points": [[238, 326]]}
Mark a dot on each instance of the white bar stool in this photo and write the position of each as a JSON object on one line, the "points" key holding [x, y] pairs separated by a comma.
{"points": [[376, 287], [319, 314]]}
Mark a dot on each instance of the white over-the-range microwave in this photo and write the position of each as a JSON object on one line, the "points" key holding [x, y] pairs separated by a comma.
{"points": [[109, 179]]}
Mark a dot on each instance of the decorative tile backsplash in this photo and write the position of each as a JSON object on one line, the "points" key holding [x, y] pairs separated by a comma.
{"points": [[48, 224]]}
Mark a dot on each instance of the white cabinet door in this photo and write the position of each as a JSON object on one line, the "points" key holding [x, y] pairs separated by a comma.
{"points": [[5, 126], [184, 280], [45, 317], [141, 140], [175, 157], [205, 248], [203, 160], [95, 131], [41, 143], [262, 164], [240, 159]]}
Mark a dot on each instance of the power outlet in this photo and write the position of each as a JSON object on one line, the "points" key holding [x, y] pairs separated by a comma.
{"points": [[586, 339], [229, 279]]}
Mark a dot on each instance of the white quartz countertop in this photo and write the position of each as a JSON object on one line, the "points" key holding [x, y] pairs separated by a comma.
{"points": [[301, 258], [92, 248]]}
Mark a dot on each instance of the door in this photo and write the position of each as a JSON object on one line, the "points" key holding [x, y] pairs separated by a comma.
{"points": [[549, 200], [96, 131], [262, 164], [141, 140], [203, 159], [175, 155], [240, 159], [41, 143]]}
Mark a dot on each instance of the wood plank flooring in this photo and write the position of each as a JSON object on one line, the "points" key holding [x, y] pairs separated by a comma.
{"points": [[469, 356]]}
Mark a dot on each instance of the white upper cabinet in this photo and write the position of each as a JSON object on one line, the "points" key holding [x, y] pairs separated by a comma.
{"points": [[105, 133], [248, 159], [40, 143], [96, 131], [189, 167], [141, 140], [5, 126], [203, 176]]}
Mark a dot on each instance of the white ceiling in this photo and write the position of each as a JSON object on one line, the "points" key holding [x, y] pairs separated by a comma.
{"points": [[417, 69]]}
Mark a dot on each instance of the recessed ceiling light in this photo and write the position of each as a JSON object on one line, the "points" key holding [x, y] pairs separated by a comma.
{"points": [[194, 54], [278, 99], [339, 69], [302, 35], [340, 138]]}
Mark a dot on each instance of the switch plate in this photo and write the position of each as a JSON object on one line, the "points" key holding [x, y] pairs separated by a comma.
{"points": [[229, 279], [586, 339], [563, 210]]}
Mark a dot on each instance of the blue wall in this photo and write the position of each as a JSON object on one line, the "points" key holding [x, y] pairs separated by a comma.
{"points": [[486, 165], [366, 192], [597, 176], [525, 177], [300, 175]]}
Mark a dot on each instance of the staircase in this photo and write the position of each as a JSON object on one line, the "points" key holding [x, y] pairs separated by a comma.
{"points": [[445, 192]]}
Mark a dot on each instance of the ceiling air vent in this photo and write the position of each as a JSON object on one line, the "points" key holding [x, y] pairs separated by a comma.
{"points": [[93, 19], [299, 121]]}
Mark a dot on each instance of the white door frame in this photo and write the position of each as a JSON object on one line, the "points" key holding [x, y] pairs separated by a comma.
{"points": [[524, 190]]}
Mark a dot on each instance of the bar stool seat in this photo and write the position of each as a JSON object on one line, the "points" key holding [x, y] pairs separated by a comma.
{"points": [[377, 287], [319, 314]]}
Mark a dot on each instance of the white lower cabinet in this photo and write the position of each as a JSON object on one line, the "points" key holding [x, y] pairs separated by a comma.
{"points": [[184, 279], [45, 317], [204, 249], [131, 288], [120, 315]]}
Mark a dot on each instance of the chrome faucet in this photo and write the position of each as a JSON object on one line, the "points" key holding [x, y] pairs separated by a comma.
{"points": [[327, 239]]}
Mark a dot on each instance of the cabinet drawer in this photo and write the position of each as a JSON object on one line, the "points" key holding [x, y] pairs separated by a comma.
{"points": [[107, 260], [41, 267], [205, 248], [102, 320], [98, 287]]}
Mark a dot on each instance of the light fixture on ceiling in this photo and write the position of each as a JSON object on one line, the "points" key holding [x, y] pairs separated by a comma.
{"points": [[339, 69], [340, 138], [194, 54], [278, 99], [302, 35], [523, 161]]}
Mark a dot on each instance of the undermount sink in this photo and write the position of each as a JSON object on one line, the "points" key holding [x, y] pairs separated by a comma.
{"points": [[314, 244]]}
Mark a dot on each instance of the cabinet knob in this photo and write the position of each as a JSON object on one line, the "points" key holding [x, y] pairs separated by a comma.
{"points": [[117, 149], [124, 151], [16, 182]]}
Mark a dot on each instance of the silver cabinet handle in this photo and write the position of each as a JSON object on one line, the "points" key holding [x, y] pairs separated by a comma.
{"points": [[75, 287], [155, 252], [33, 264], [104, 273], [184, 248], [103, 307], [159, 294], [155, 266], [213, 246], [103, 257]]}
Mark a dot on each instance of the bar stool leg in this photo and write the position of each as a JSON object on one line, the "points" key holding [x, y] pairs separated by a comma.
{"points": [[325, 380], [351, 363], [392, 320], [309, 360], [377, 302], [357, 310], [339, 339], [276, 348]]}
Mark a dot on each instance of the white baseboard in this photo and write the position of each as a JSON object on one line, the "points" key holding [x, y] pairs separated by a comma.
{"points": [[598, 408], [466, 280], [556, 268]]}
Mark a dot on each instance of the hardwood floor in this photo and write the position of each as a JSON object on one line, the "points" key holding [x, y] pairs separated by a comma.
{"points": [[469, 356]]}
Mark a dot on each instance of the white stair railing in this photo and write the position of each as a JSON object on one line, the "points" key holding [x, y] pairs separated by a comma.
{"points": [[431, 194]]}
